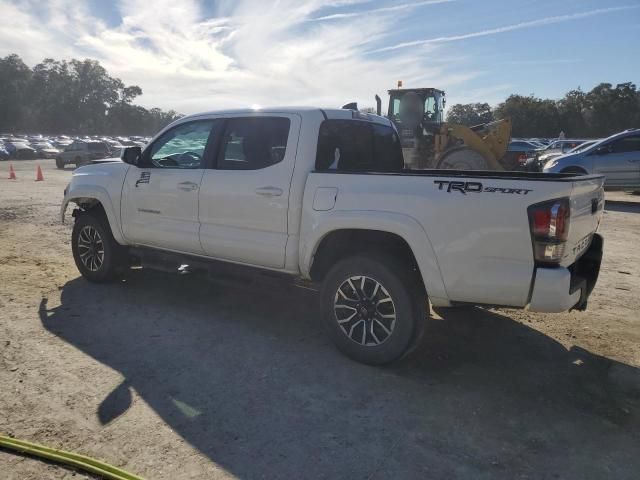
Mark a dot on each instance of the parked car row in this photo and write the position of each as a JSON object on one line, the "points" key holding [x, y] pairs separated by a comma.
{"points": [[528, 153], [65, 149], [538, 161], [616, 157]]}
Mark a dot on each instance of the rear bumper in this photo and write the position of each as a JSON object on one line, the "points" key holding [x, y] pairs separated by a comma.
{"points": [[561, 289]]}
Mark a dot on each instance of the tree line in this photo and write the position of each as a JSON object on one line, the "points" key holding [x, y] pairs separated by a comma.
{"points": [[601, 112], [80, 97], [72, 97]]}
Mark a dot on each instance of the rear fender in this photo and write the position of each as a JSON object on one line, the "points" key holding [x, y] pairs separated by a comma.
{"points": [[408, 228]]}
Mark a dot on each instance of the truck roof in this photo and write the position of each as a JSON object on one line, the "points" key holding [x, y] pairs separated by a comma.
{"points": [[332, 113]]}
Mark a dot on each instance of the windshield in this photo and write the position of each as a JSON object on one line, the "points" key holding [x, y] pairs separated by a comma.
{"points": [[409, 104]]}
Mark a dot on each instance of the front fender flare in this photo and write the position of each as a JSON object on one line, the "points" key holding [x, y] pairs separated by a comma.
{"points": [[95, 192]]}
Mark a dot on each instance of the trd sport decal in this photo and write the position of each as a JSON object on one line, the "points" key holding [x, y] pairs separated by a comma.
{"points": [[476, 187], [144, 178]]}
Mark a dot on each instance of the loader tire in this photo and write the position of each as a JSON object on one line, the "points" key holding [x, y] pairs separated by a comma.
{"points": [[463, 159]]}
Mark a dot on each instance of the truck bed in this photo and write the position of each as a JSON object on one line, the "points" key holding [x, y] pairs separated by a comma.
{"points": [[474, 224]]}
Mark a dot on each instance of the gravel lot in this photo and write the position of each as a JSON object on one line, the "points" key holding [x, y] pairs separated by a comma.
{"points": [[172, 377]]}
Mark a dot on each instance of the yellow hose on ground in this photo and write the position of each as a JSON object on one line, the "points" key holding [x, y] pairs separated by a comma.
{"points": [[80, 462]]}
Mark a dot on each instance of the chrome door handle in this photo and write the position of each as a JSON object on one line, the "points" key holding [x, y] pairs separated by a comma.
{"points": [[269, 191], [188, 186]]}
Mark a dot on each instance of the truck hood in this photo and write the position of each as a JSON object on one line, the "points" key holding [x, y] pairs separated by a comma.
{"points": [[562, 159], [107, 160], [103, 166]]}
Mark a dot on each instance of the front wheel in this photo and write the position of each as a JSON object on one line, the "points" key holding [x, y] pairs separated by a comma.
{"points": [[97, 255], [59, 163], [372, 308]]}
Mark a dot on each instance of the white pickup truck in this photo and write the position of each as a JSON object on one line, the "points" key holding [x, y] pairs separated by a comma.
{"points": [[323, 196]]}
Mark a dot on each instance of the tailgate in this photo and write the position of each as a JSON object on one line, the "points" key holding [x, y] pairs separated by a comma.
{"points": [[587, 208]]}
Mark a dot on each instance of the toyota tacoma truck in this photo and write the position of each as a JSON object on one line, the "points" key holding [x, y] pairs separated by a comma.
{"points": [[323, 197]]}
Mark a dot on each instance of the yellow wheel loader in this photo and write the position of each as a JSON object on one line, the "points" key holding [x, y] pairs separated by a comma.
{"points": [[429, 142]]}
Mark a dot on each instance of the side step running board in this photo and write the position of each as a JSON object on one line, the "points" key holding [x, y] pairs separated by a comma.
{"points": [[218, 272]]}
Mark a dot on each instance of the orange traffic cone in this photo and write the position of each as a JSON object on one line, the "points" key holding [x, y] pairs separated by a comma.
{"points": [[12, 173], [39, 176]]}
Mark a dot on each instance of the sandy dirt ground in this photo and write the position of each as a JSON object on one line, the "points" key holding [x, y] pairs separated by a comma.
{"points": [[172, 377]]}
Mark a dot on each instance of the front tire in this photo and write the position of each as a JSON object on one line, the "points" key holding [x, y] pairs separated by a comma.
{"points": [[98, 257], [60, 163], [372, 308]]}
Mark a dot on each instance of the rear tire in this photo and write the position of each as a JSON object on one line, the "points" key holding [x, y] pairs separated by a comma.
{"points": [[463, 159], [381, 319], [98, 257]]}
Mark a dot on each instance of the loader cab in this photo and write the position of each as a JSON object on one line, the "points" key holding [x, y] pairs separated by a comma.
{"points": [[411, 107]]}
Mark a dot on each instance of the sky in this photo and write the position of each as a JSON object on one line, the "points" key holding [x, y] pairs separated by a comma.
{"points": [[200, 55]]}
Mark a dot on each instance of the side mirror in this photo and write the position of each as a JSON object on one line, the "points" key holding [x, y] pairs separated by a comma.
{"points": [[131, 155], [603, 150]]}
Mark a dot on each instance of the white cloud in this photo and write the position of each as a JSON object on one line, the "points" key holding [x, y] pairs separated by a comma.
{"points": [[246, 52], [192, 56], [507, 28]]}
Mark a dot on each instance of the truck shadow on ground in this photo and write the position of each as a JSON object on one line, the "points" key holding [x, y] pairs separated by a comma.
{"points": [[249, 379]]}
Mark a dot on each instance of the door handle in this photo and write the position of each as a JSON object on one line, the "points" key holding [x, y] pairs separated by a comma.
{"points": [[269, 191], [633, 160], [188, 186]]}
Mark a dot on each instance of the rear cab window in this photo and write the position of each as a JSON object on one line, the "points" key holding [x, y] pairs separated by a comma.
{"points": [[358, 146]]}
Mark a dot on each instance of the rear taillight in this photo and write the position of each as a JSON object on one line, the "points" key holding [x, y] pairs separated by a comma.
{"points": [[549, 223], [522, 158]]}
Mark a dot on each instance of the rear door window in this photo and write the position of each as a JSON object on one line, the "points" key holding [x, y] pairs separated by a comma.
{"points": [[627, 144], [253, 143], [358, 146]]}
